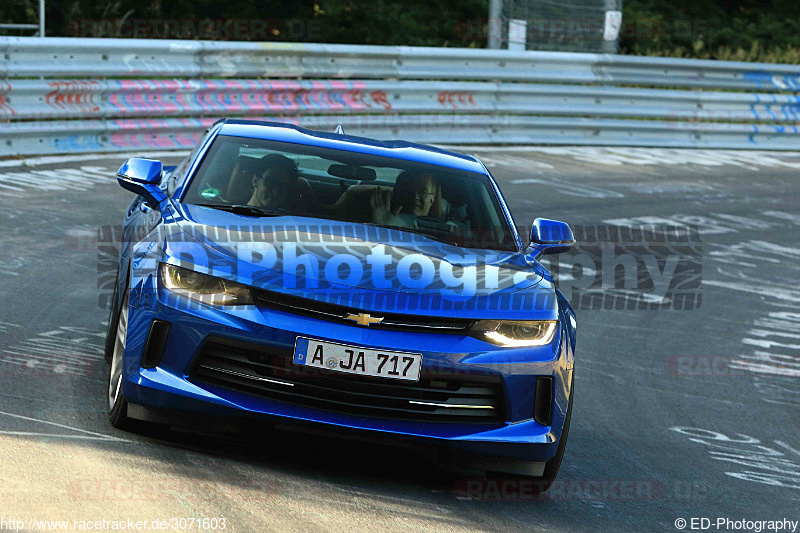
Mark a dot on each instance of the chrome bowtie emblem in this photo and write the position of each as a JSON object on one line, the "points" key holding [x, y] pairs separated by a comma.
{"points": [[363, 319]]}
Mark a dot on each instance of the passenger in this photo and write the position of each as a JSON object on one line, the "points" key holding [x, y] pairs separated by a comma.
{"points": [[414, 195], [279, 186]]}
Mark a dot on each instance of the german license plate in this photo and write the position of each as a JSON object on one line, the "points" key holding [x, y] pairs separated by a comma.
{"points": [[357, 360]]}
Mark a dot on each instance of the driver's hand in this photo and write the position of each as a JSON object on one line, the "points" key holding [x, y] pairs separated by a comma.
{"points": [[380, 201]]}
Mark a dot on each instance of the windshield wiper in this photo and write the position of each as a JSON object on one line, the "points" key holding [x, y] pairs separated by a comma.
{"points": [[247, 210]]}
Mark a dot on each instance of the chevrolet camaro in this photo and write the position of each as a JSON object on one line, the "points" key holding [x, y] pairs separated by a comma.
{"points": [[339, 282]]}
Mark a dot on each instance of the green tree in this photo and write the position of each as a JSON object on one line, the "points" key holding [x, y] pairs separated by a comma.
{"points": [[747, 30]]}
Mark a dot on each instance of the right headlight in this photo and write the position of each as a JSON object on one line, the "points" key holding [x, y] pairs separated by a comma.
{"points": [[515, 333], [204, 288]]}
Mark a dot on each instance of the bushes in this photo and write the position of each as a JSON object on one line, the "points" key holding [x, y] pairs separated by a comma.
{"points": [[386, 22], [713, 29], [744, 30]]}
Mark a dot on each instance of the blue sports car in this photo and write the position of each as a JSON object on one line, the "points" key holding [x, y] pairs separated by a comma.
{"points": [[280, 274]]}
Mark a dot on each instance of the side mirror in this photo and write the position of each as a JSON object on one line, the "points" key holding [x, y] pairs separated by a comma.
{"points": [[551, 236], [141, 176]]}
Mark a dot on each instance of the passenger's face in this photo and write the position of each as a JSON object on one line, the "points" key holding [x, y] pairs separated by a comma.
{"points": [[423, 198]]}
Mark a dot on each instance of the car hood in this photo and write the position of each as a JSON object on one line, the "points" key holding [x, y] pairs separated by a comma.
{"points": [[362, 266]]}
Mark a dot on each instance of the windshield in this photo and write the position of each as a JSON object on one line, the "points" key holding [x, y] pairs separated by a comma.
{"points": [[449, 205]]}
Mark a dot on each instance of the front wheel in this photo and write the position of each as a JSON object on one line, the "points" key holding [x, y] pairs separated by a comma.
{"points": [[552, 466], [117, 404]]}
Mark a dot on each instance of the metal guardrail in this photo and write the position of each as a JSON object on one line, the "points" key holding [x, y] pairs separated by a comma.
{"points": [[69, 95], [39, 99], [89, 58]]}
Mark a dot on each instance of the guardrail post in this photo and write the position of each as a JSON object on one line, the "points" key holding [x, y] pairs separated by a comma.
{"points": [[612, 25], [495, 24], [41, 18]]}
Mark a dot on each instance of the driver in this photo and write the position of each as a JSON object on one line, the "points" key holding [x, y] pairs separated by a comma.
{"points": [[415, 194], [278, 185]]}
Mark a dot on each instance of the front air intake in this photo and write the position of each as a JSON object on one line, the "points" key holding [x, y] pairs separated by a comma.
{"points": [[268, 372], [156, 340], [543, 406]]}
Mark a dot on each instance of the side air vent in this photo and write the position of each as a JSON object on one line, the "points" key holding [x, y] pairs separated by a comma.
{"points": [[156, 340], [543, 408]]}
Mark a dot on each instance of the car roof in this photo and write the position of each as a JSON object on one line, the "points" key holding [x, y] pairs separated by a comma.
{"points": [[279, 131]]}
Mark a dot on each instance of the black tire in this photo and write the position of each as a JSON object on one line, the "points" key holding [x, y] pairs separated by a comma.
{"points": [[117, 403], [545, 481], [113, 316], [553, 465]]}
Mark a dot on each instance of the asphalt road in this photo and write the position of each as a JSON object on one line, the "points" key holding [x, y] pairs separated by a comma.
{"points": [[678, 413]]}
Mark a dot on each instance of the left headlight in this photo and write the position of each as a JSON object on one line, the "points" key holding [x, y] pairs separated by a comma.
{"points": [[515, 333], [204, 288]]}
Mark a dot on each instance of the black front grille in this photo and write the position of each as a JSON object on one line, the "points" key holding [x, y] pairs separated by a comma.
{"points": [[337, 313], [270, 373]]}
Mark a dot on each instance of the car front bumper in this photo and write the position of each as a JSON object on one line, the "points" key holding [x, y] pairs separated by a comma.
{"points": [[172, 384]]}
